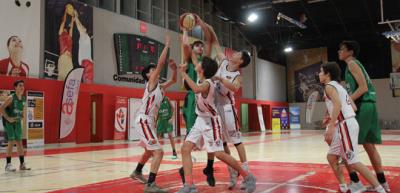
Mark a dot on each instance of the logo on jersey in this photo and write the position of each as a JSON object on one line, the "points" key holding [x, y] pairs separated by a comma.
{"points": [[349, 155]]}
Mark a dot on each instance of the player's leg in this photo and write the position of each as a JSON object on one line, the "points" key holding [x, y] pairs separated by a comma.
{"points": [[209, 169], [172, 141], [11, 141], [138, 172], [333, 161]]}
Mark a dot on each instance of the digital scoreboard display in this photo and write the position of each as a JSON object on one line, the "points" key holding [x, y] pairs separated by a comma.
{"points": [[134, 53]]}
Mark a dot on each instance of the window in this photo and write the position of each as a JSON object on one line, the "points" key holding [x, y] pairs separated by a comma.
{"points": [[173, 15], [143, 10], [158, 12], [128, 7], [107, 4]]}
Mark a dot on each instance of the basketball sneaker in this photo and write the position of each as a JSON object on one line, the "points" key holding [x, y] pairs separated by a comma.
{"points": [[188, 189], [10, 168], [357, 187], [384, 185], [209, 172], [138, 176], [23, 167], [250, 181], [153, 188]]}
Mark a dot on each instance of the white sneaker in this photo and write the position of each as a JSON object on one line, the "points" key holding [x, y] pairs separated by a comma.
{"points": [[384, 186], [233, 174], [245, 167], [343, 188], [357, 187], [250, 183], [138, 176], [10, 168]]}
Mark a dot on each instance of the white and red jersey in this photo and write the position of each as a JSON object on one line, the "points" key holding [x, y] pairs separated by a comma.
{"points": [[151, 101], [205, 106], [7, 67], [224, 95], [347, 110]]}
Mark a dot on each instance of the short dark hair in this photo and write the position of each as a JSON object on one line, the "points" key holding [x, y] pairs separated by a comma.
{"points": [[147, 70], [210, 67], [17, 82], [333, 69], [245, 59], [196, 42], [9, 40], [351, 46]]}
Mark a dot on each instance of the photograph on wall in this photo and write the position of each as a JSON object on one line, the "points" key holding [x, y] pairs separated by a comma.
{"points": [[19, 39], [395, 49], [302, 72], [134, 53], [307, 81], [68, 39]]}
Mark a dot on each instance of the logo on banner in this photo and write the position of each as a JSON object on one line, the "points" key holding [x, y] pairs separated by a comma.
{"points": [[69, 101], [120, 118]]}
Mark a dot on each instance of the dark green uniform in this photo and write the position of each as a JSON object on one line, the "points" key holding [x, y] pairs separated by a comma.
{"points": [[164, 115], [366, 115], [15, 109], [189, 109]]}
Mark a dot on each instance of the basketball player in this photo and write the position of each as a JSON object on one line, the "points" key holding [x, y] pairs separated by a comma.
{"points": [[85, 51], [65, 40], [229, 82], [207, 127], [13, 112], [191, 54], [13, 65], [342, 129], [164, 125], [153, 95], [361, 90]]}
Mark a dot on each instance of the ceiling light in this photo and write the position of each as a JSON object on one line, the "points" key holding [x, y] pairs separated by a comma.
{"points": [[288, 49], [252, 17]]}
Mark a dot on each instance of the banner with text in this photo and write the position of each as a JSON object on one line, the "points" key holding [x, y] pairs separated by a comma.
{"points": [[35, 118], [121, 110]]}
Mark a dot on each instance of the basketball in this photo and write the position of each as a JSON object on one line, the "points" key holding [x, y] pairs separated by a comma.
{"points": [[69, 9], [188, 21]]}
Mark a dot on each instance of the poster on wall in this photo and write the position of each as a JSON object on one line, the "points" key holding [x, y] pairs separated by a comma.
{"points": [[260, 117], [35, 118], [395, 49], [20, 39], [68, 39], [133, 108], [120, 120], [302, 72], [134, 53], [294, 116], [307, 82], [280, 118]]}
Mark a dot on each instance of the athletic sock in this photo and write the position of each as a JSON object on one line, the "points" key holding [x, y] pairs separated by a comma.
{"points": [[381, 177], [354, 177], [139, 168], [8, 160], [152, 178], [21, 159], [210, 164]]}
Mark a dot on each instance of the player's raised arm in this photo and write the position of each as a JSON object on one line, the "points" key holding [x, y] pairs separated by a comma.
{"points": [[153, 79], [170, 82]]}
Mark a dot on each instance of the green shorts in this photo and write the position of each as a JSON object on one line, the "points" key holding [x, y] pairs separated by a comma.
{"points": [[367, 117], [13, 131], [164, 126], [189, 111]]}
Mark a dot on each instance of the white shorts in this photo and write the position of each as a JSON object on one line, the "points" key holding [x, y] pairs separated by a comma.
{"points": [[206, 132], [345, 141], [145, 128], [230, 126]]}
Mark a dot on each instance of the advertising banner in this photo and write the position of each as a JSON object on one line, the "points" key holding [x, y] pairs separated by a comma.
{"points": [[120, 121], [294, 117], [35, 118], [133, 108]]}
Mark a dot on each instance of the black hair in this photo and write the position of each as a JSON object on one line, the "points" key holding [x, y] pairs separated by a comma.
{"points": [[333, 69], [245, 58], [9, 40], [351, 46], [17, 82], [147, 70], [209, 66], [195, 43]]}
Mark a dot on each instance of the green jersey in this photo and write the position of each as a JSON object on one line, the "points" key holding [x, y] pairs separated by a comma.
{"points": [[165, 110], [16, 108], [351, 84]]}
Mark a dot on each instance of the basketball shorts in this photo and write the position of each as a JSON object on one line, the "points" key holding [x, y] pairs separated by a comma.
{"points": [[206, 133], [367, 117], [230, 124], [345, 141], [144, 126], [13, 131]]}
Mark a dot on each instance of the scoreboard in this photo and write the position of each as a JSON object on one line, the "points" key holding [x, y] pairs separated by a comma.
{"points": [[135, 52]]}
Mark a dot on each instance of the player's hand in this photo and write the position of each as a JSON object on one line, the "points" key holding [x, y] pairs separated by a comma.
{"points": [[216, 78], [172, 64], [11, 119], [329, 134], [167, 40], [182, 68]]}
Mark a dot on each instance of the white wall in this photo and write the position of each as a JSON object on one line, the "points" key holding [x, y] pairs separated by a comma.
{"points": [[105, 24], [388, 106], [23, 22], [248, 81], [270, 81]]}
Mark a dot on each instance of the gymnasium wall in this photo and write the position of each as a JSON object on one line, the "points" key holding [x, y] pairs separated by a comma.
{"points": [[270, 81]]}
